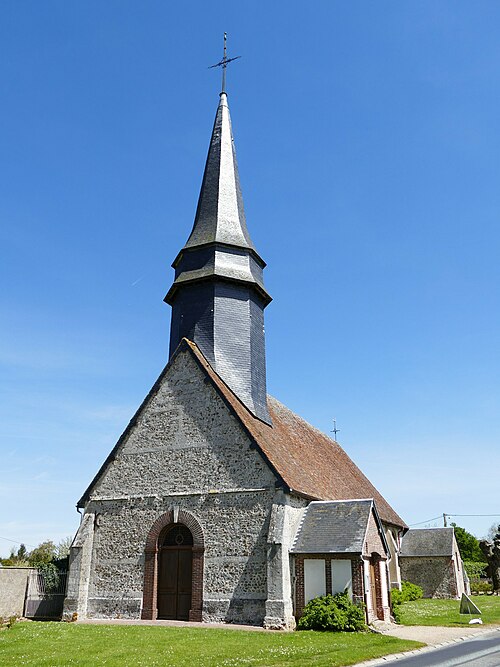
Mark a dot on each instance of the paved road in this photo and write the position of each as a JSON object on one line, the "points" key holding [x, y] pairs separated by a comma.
{"points": [[483, 651]]}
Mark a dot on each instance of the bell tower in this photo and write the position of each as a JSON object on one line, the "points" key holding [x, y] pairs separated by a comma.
{"points": [[218, 295]]}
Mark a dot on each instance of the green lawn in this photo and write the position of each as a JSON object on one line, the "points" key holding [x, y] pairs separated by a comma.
{"points": [[447, 612], [69, 644]]}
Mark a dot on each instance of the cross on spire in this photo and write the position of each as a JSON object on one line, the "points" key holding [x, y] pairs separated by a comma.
{"points": [[223, 63]]}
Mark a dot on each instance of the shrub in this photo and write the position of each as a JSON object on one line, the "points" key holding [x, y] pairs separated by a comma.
{"points": [[396, 613], [411, 591], [397, 597], [50, 575], [408, 593], [481, 586], [333, 613]]}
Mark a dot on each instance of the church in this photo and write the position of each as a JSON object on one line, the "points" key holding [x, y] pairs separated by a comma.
{"points": [[218, 503]]}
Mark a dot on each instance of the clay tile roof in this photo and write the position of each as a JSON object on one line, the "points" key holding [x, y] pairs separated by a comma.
{"points": [[428, 542], [308, 461]]}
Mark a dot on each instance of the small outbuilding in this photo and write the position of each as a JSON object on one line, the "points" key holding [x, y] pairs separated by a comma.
{"points": [[341, 546], [430, 558]]}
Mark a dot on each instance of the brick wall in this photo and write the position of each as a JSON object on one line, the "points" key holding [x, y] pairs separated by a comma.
{"points": [[356, 573], [373, 541]]}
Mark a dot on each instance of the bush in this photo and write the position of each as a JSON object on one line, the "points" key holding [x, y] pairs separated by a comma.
{"points": [[333, 613], [411, 591], [397, 597], [408, 593], [396, 613], [481, 586], [50, 575]]}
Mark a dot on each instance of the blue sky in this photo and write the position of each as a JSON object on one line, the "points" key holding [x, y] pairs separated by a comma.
{"points": [[368, 140]]}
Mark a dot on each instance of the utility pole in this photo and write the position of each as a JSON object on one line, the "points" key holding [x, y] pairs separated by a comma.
{"points": [[445, 522]]}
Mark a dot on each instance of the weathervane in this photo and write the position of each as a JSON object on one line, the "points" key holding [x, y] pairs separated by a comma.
{"points": [[335, 430], [223, 63]]}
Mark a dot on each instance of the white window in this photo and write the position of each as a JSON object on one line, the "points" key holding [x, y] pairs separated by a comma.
{"points": [[314, 578], [341, 576]]}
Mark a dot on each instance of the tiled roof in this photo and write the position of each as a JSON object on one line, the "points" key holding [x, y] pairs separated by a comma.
{"points": [[308, 461], [428, 542], [333, 527]]}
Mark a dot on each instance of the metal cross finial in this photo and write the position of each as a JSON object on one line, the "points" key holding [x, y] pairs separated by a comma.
{"points": [[223, 63], [335, 430]]}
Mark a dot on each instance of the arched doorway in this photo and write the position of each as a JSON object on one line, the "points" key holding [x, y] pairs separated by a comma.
{"points": [[153, 552], [175, 572]]}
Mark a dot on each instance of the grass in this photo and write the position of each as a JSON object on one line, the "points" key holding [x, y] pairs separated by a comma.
{"points": [[68, 644], [447, 612]]}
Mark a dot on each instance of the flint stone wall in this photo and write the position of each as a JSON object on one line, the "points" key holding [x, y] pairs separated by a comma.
{"points": [[184, 450], [434, 574]]}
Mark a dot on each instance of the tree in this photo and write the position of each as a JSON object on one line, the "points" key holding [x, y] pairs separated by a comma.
{"points": [[492, 531], [19, 559], [468, 545], [491, 551], [22, 553], [62, 549], [43, 553]]}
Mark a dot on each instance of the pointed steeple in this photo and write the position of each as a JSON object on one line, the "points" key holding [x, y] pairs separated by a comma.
{"points": [[220, 216], [218, 295]]}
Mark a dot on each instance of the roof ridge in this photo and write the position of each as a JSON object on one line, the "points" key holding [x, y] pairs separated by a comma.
{"points": [[346, 500]]}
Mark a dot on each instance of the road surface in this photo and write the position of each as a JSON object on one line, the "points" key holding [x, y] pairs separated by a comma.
{"points": [[482, 651]]}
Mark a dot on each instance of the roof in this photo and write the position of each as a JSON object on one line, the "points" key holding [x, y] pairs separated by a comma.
{"points": [[428, 542], [220, 216], [219, 246], [334, 527], [305, 460]]}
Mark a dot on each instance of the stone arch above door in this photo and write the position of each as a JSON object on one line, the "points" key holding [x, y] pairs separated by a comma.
{"points": [[170, 518]]}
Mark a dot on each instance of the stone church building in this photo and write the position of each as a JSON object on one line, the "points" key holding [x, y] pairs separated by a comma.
{"points": [[218, 503]]}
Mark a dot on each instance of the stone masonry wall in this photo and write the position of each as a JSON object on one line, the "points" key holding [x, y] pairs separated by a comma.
{"points": [[13, 585], [185, 450], [285, 518], [434, 574]]}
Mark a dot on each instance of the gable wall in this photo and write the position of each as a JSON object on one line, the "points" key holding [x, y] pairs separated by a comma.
{"points": [[184, 437], [185, 450], [373, 541]]}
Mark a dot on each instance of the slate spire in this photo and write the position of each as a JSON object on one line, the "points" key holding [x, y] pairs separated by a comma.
{"points": [[218, 295]]}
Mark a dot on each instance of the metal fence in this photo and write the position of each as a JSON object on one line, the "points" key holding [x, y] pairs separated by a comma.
{"points": [[45, 595]]}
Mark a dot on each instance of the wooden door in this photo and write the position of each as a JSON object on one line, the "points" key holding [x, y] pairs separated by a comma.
{"points": [[373, 589], [175, 583]]}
